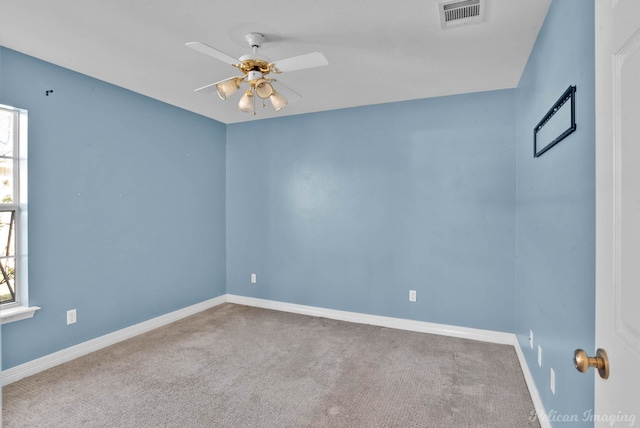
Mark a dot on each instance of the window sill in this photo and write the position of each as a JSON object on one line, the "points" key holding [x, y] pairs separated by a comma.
{"points": [[17, 313]]}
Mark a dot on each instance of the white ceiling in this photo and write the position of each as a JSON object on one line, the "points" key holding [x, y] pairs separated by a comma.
{"points": [[378, 50]]}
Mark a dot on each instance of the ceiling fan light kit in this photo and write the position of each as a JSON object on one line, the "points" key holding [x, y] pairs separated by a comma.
{"points": [[227, 87], [246, 102], [254, 68], [278, 101], [263, 88]]}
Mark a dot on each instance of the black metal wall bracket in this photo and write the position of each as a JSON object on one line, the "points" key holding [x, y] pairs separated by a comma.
{"points": [[540, 147]]}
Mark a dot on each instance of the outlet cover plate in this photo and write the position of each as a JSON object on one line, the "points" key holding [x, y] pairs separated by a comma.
{"points": [[540, 355], [71, 316]]}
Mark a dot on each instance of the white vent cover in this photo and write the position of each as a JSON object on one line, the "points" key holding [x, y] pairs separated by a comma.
{"points": [[454, 13]]}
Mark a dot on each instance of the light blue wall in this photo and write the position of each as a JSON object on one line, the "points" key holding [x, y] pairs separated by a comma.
{"points": [[555, 293], [127, 197], [350, 209]]}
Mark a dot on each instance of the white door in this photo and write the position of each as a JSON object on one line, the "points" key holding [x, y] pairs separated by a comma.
{"points": [[617, 400]]}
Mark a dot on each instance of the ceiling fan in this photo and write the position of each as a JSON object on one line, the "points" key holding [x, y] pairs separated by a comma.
{"points": [[256, 69]]}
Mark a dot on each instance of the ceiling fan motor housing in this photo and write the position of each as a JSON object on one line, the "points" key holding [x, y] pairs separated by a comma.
{"points": [[254, 75]]}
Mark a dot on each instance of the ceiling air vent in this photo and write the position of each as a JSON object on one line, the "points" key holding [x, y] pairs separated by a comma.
{"points": [[460, 12]]}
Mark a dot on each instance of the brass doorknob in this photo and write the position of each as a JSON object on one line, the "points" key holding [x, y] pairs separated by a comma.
{"points": [[582, 362]]}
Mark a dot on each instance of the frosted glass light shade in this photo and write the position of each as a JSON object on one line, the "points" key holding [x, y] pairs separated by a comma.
{"points": [[277, 100], [227, 88], [264, 89], [246, 102]]}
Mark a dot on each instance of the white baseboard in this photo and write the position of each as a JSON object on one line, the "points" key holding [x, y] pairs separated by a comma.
{"points": [[380, 321], [531, 385], [48, 361]]}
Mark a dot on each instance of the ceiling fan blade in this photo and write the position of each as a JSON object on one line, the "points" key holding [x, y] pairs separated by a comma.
{"points": [[210, 88], [206, 89], [310, 60], [291, 95], [208, 50]]}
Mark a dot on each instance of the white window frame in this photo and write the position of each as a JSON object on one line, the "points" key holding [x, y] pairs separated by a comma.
{"points": [[20, 309]]}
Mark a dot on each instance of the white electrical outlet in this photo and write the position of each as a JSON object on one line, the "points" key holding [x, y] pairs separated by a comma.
{"points": [[552, 381], [412, 295], [531, 338], [540, 355], [253, 278], [71, 316]]}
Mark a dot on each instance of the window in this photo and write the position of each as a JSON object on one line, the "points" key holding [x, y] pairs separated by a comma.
{"points": [[9, 123], [13, 215]]}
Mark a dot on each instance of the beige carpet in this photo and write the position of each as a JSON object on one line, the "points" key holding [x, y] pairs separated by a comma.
{"points": [[235, 366]]}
